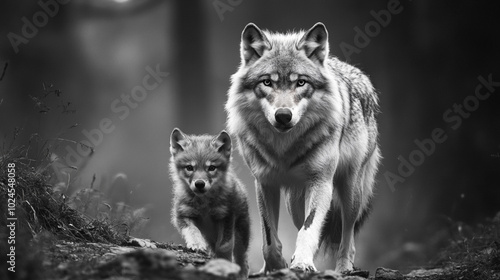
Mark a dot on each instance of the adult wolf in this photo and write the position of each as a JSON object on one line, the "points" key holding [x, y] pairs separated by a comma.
{"points": [[305, 124]]}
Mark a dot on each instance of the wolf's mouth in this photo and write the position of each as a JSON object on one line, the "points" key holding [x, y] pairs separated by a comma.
{"points": [[283, 129]]}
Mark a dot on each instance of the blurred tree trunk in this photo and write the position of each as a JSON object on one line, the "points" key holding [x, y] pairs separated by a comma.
{"points": [[191, 66]]}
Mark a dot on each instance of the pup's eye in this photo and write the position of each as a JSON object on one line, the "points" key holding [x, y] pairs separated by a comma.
{"points": [[301, 83], [266, 82], [189, 168], [212, 168]]}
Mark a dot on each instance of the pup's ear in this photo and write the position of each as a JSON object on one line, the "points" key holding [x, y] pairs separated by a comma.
{"points": [[222, 143], [177, 141], [253, 43], [315, 43]]}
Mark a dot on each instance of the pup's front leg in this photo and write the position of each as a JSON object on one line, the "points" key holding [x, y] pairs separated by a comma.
{"points": [[191, 234], [241, 242], [225, 238], [268, 199], [318, 199]]}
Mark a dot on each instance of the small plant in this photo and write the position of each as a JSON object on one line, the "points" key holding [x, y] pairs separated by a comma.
{"points": [[93, 202]]}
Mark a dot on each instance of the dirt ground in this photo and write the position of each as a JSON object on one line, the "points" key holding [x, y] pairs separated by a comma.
{"points": [[144, 259], [55, 241]]}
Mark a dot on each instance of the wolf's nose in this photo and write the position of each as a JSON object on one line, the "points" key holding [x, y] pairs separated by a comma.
{"points": [[199, 184], [283, 116]]}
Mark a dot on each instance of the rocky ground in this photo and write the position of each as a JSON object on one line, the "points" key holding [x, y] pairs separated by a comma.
{"points": [[55, 241], [144, 259]]}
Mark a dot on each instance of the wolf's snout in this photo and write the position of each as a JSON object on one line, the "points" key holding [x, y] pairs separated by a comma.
{"points": [[283, 116], [199, 184]]}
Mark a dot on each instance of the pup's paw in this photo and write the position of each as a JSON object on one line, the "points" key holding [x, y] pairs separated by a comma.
{"points": [[197, 248], [305, 267]]}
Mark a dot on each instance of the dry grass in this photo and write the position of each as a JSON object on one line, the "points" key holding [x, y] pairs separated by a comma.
{"points": [[43, 216], [43, 210]]}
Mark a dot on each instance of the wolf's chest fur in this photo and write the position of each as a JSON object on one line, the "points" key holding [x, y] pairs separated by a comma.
{"points": [[210, 208], [288, 158]]}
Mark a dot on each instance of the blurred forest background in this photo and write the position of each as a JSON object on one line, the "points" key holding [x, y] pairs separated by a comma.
{"points": [[425, 59]]}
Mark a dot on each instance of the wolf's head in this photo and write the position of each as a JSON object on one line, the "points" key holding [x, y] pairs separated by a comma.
{"points": [[199, 162], [281, 74]]}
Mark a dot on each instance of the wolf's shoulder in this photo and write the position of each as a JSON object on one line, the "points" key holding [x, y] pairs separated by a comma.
{"points": [[356, 81], [348, 72]]}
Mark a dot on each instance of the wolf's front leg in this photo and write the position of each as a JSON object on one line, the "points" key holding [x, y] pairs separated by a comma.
{"points": [[318, 199], [268, 199], [191, 234], [350, 199]]}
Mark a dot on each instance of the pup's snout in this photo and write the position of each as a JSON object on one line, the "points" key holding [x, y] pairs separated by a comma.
{"points": [[283, 116], [199, 184]]}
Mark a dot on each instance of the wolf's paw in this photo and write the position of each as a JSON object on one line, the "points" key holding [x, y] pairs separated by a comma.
{"points": [[303, 267], [344, 266], [302, 262], [272, 265]]}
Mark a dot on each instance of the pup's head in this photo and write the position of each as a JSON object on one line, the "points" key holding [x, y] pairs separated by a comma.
{"points": [[282, 72], [200, 162]]}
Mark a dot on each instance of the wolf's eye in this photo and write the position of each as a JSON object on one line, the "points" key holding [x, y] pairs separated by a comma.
{"points": [[267, 82], [301, 83], [212, 168], [189, 168]]}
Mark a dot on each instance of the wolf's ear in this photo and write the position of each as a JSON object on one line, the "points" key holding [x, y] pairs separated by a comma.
{"points": [[315, 43], [175, 141], [222, 143], [253, 43]]}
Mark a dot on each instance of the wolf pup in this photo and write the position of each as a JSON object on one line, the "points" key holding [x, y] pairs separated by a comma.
{"points": [[210, 207], [305, 123]]}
